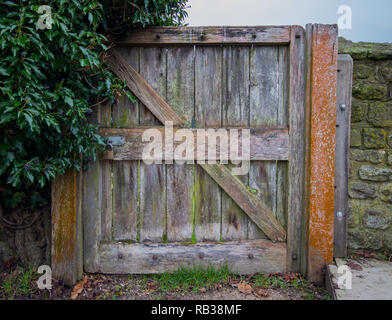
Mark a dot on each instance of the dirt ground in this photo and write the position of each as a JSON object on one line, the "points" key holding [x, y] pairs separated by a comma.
{"points": [[19, 285]]}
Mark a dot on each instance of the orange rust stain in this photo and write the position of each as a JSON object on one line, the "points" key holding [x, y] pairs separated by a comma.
{"points": [[64, 215], [322, 147]]}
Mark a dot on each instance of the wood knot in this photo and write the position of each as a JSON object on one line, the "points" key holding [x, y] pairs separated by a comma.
{"points": [[120, 256], [251, 256], [201, 255], [254, 36], [154, 257], [157, 37]]}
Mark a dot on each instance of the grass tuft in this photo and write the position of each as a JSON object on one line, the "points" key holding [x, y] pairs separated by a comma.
{"points": [[18, 283], [193, 279]]}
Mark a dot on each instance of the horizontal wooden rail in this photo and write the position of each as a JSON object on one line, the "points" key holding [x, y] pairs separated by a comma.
{"points": [[207, 35], [270, 143], [247, 257]]}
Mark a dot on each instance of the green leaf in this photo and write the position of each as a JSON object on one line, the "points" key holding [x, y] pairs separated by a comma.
{"points": [[69, 101]]}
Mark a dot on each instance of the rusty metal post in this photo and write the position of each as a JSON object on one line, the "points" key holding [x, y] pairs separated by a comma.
{"points": [[321, 158]]}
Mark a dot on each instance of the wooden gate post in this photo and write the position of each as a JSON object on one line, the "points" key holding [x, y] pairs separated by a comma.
{"points": [[343, 116], [67, 255], [322, 82]]}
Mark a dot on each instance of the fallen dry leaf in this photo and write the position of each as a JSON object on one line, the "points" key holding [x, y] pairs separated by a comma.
{"points": [[366, 254], [354, 266], [151, 285], [244, 288], [203, 289], [260, 293], [78, 288]]}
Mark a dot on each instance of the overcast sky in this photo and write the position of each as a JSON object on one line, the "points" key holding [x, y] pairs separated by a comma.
{"points": [[371, 19]]}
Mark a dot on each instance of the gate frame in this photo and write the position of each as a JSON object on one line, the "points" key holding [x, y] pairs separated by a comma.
{"points": [[312, 122]]}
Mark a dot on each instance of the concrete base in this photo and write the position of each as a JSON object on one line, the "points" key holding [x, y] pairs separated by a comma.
{"points": [[371, 280]]}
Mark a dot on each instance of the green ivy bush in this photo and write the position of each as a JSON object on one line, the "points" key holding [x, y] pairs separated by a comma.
{"points": [[51, 79]]}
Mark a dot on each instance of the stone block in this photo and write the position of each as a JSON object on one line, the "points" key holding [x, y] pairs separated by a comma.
{"points": [[355, 138], [362, 190], [373, 156], [376, 218], [370, 91], [373, 138], [380, 114], [372, 173]]}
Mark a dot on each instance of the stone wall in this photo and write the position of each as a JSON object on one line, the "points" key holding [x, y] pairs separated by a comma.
{"points": [[370, 178]]}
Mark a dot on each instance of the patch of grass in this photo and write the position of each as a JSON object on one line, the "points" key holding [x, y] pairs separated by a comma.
{"points": [[267, 281], [192, 278], [309, 296], [18, 283]]}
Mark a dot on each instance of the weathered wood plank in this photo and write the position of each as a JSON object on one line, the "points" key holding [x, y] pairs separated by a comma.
{"points": [[207, 35], [180, 178], [269, 143], [92, 205], [67, 236], [142, 89], [245, 257], [322, 149], [308, 111], [152, 218], [343, 116], [126, 113], [106, 177], [125, 198], [282, 120], [235, 112], [208, 104], [297, 92], [254, 208], [125, 175], [264, 105]]}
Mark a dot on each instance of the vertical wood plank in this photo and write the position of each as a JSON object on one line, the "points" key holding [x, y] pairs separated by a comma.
{"points": [[322, 149], [91, 207], [343, 116], [282, 120], [180, 188], [297, 92], [152, 218], [125, 173], [208, 104], [126, 113], [308, 111], [67, 260], [235, 113], [264, 102], [106, 176]]}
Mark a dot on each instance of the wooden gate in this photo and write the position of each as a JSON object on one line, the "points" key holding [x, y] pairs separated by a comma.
{"points": [[278, 81]]}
